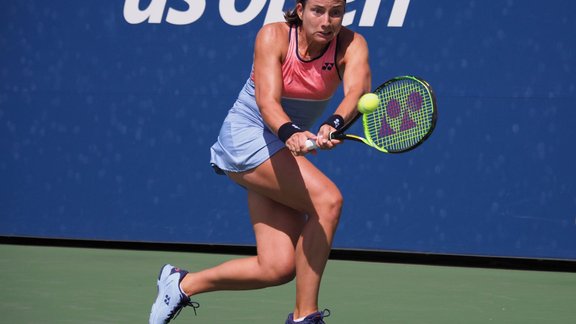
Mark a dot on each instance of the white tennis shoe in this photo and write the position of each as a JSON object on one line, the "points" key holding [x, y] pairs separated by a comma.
{"points": [[170, 299]]}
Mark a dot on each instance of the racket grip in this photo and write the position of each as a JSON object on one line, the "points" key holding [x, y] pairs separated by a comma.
{"points": [[310, 145]]}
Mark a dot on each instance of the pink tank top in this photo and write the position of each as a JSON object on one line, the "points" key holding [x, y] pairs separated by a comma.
{"points": [[316, 79]]}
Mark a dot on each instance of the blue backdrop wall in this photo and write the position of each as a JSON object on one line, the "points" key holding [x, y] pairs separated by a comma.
{"points": [[108, 109]]}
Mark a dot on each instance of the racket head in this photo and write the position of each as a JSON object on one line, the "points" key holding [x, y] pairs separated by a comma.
{"points": [[405, 117]]}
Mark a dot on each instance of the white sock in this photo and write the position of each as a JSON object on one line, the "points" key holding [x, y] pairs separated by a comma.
{"points": [[181, 290], [299, 319]]}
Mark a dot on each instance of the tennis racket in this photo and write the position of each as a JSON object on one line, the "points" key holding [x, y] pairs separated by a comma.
{"points": [[405, 117]]}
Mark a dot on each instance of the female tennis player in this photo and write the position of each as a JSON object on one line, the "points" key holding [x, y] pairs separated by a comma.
{"points": [[294, 208]]}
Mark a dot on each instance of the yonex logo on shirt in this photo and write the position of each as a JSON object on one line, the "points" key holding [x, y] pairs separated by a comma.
{"points": [[328, 66]]}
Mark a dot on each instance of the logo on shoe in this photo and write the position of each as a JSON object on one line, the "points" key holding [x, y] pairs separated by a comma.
{"points": [[167, 300]]}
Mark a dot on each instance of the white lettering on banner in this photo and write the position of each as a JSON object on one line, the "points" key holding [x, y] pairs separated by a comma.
{"points": [[194, 12], [154, 13], [235, 18], [398, 13]]}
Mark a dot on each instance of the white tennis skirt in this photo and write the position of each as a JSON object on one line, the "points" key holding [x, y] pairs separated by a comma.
{"points": [[245, 142]]}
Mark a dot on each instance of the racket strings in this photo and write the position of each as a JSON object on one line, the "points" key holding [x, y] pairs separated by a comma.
{"points": [[404, 116]]}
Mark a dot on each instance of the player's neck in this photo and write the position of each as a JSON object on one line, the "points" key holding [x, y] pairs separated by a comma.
{"points": [[307, 49]]}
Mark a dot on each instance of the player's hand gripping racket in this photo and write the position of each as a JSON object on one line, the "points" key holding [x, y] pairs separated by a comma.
{"points": [[405, 117]]}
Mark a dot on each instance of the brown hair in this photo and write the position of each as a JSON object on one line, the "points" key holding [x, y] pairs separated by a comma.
{"points": [[291, 16]]}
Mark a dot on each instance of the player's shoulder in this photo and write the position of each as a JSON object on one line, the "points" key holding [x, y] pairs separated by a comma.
{"points": [[352, 46], [269, 39], [348, 37], [274, 31]]}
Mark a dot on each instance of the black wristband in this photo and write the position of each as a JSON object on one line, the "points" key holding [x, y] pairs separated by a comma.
{"points": [[335, 121], [286, 130]]}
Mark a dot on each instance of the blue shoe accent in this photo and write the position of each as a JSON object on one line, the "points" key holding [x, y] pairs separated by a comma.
{"points": [[170, 299], [314, 318]]}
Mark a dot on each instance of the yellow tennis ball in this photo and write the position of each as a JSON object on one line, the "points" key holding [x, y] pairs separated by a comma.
{"points": [[368, 103]]}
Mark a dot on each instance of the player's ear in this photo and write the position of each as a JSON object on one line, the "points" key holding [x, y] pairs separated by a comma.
{"points": [[299, 9]]}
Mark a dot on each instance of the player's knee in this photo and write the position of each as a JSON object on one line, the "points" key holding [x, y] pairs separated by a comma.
{"points": [[285, 275], [331, 206], [280, 272]]}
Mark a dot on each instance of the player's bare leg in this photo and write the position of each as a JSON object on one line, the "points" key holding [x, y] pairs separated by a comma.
{"points": [[277, 229], [296, 182], [280, 192]]}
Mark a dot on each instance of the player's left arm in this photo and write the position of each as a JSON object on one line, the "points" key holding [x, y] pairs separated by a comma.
{"points": [[357, 79]]}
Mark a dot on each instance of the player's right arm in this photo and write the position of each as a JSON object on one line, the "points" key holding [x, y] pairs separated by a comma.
{"points": [[269, 53], [268, 57]]}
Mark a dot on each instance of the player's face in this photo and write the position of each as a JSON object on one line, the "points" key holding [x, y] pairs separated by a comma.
{"points": [[321, 19]]}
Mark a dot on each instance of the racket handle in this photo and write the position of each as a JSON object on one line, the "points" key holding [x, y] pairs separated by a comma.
{"points": [[310, 145]]}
